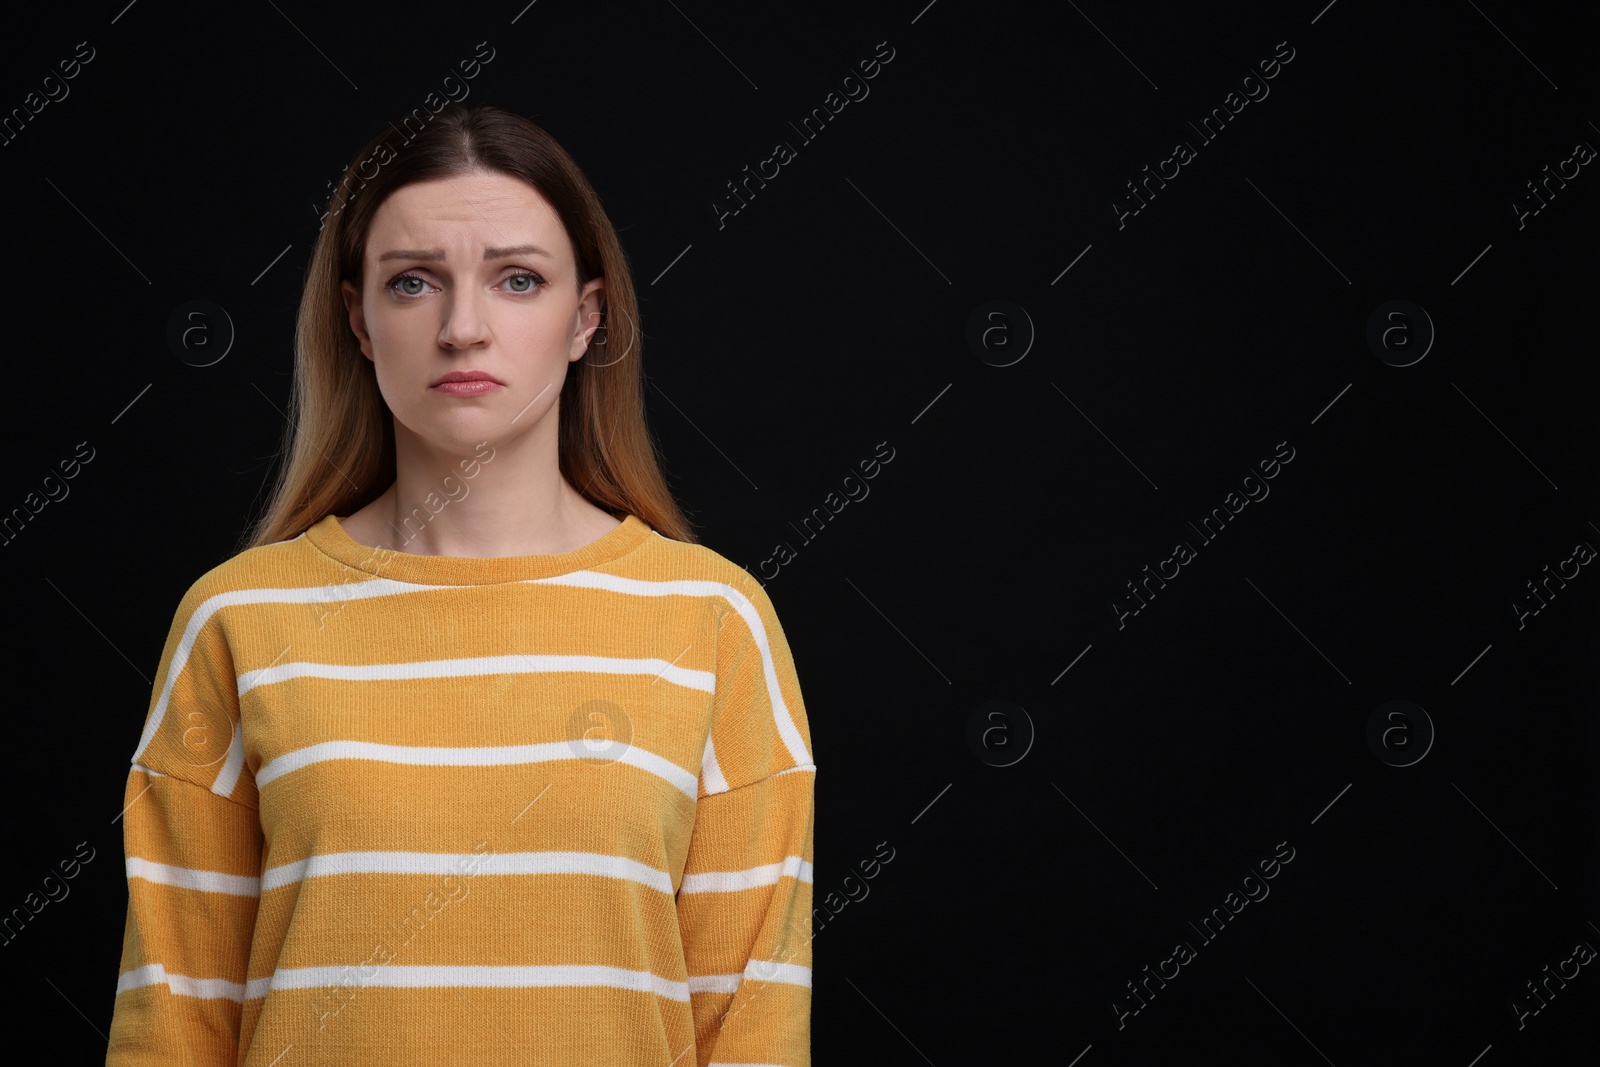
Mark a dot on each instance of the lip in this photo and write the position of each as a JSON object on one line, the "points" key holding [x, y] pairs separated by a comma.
{"points": [[468, 376], [467, 383]]}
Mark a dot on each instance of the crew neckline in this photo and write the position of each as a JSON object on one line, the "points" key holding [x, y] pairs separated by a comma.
{"points": [[328, 535]]}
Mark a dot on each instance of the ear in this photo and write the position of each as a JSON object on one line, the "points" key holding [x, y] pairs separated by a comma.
{"points": [[358, 320], [590, 301]]}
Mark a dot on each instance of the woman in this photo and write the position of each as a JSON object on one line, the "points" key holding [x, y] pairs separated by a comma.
{"points": [[471, 755]]}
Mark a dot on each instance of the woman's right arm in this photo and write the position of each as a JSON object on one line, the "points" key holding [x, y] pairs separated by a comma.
{"points": [[193, 841]]}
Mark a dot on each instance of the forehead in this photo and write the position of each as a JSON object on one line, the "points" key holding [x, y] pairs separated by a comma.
{"points": [[465, 213]]}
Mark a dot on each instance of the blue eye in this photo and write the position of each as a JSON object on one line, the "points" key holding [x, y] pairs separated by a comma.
{"points": [[399, 281]]}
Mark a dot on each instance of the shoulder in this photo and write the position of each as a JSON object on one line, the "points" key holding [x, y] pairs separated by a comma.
{"points": [[707, 574], [667, 560], [263, 572]]}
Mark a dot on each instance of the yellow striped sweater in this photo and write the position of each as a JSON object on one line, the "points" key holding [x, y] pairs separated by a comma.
{"points": [[401, 809]]}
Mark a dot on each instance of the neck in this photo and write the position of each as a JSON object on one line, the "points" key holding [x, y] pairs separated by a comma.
{"points": [[487, 498]]}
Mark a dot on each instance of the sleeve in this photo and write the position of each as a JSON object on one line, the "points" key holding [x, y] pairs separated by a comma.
{"points": [[193, 842], [744, 906]]}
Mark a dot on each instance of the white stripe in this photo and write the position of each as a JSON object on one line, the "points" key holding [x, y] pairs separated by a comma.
{"points": [[478, 665], [228, 775], [447, 863], [181, 985], [632, 755], [696, 587], [713, 983], [397, 976], [773, 971], [755, 970], [211, 605], [733, 881], [240, 885], [711, 770], [404, 977]]}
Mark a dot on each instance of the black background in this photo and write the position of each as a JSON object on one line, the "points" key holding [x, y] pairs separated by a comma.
{"points": [[831, 314]]}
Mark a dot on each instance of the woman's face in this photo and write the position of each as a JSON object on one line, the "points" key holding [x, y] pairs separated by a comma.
{"points": [[470, 273]]}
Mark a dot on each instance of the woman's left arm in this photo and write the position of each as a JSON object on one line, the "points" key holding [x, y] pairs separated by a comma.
{"points": [[744, 905]]}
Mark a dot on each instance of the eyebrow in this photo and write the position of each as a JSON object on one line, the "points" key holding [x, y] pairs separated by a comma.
{"points": [[488, 253]]}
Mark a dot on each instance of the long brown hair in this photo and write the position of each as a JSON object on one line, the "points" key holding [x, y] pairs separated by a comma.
{"points": [[339, 439]]}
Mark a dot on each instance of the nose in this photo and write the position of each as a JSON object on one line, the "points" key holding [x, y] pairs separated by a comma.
{"points": [[464, 323]]}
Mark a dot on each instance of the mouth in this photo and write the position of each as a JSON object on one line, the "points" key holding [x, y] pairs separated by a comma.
{"points": [[467, 376], [467, 383]]}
